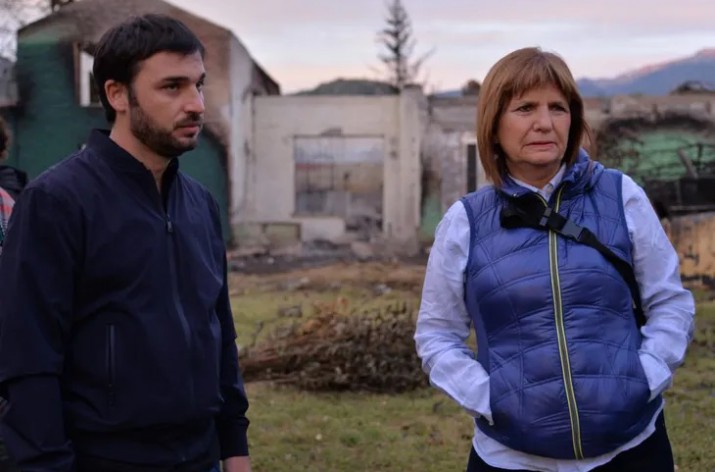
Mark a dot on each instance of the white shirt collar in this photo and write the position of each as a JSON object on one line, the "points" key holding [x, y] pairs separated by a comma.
{"points": [[547, 189]]}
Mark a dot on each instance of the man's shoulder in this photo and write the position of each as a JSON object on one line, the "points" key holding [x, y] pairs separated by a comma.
{"points": [[65, 178], [195, 188]]}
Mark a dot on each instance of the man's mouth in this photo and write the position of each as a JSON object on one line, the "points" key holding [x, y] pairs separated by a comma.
{"points": [[193, 124], [193, 127]]}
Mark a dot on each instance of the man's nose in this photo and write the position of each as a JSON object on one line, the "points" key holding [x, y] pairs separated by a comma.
{"points": [[195, 102]]}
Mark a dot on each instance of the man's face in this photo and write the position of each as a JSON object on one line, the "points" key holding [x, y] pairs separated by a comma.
{"points": [[166, 103]]}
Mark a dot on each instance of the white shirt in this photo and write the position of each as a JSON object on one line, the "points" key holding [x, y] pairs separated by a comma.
{"points": [[443, 324]]}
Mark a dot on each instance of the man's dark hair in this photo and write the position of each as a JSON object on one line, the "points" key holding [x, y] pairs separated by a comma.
{"points": [[123, 47]]}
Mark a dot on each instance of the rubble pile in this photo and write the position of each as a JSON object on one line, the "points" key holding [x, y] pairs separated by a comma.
{"points": [[337, 349]]}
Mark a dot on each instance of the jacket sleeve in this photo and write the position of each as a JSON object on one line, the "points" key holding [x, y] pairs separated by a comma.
{"points": [[37, 272], [231, 422]]}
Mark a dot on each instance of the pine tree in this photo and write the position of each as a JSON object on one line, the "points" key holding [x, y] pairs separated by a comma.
{"points": [[398, 40]]}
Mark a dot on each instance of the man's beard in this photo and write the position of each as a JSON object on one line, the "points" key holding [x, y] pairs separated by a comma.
{"points": [[160, 141]]}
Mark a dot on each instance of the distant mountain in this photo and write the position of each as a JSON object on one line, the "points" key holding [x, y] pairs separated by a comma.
{"points": [[351, 87], [657, 79], [448, 94]]}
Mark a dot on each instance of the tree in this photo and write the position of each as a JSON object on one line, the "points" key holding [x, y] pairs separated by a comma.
{"points": [[397, 39], [14, 14], [472, 87]]}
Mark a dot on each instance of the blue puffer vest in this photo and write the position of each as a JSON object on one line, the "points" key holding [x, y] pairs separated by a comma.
{"points": [[554, 322]]}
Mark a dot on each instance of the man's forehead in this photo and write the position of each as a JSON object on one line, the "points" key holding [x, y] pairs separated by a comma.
{"points": [[168, 63]]}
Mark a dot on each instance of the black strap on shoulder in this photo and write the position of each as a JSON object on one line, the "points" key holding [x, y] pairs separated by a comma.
{"points": [[530, 211]]}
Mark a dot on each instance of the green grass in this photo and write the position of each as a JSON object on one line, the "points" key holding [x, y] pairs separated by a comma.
{"points": [[298, 431], [690, 407], [293, 430]]}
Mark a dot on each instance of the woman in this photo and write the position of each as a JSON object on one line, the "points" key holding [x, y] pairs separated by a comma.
{"points": [[6, 200], [565, 378], [6, 204]]}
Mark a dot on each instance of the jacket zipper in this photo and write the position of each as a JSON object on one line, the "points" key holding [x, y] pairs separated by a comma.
{"points": [[561, 336], [111, 364], [169, 225]]}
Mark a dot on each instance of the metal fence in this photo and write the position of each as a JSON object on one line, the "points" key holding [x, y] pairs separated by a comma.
{"points": [[679, 180]]}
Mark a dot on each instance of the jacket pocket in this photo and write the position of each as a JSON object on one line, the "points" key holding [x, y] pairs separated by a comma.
{"points": [[111, 364]]}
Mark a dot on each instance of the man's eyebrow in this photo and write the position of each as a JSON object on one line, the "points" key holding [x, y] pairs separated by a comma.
{"points": [[182, 78]]}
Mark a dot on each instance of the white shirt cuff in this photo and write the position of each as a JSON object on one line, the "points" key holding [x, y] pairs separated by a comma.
{"points": [[657, 372]]}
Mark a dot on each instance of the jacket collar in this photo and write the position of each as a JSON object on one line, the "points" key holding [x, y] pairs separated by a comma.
{"points": [[578, 177], [118, 158]]}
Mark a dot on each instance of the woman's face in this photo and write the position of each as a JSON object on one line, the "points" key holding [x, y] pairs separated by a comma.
{"points": [[533, 133]]}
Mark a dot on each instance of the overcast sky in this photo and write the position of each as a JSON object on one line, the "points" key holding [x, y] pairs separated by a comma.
{"points": [[302, 43]]}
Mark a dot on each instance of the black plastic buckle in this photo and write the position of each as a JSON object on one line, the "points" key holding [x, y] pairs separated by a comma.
{"points": [[572, 230], [543, 222]]}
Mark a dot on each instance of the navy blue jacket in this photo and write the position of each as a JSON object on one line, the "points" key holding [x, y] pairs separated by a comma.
{"points": [[555, 324], [117, 344]]}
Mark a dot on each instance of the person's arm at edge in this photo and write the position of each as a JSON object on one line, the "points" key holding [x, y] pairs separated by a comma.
{"points": [[37, 272]]}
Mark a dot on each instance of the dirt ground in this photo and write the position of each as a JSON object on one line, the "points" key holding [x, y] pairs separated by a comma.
{"points": [[323, 272]]}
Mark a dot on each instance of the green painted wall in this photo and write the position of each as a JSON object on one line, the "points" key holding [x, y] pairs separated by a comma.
{"points": [[49, 124], [431, 216], [652, 153], [431, 206], [205, 164]]}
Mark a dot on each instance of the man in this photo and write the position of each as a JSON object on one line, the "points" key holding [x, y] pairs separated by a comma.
{"points": [[117, 345]]}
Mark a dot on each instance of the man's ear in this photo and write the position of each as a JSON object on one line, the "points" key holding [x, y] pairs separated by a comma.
{"points": [[117, 95]]}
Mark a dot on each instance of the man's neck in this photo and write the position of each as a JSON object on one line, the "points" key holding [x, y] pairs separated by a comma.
{"points": [[155, 163]]}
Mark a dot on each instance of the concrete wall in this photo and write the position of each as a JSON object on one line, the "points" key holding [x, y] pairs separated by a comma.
{"points": [[452, 128], [270, 190], [455, 114], [8, 85], [403, 207], [694, 238], [240, 112], [602, 110]]}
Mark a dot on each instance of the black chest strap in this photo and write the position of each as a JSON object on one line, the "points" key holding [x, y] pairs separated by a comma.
{"points": [[531, 212]]}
